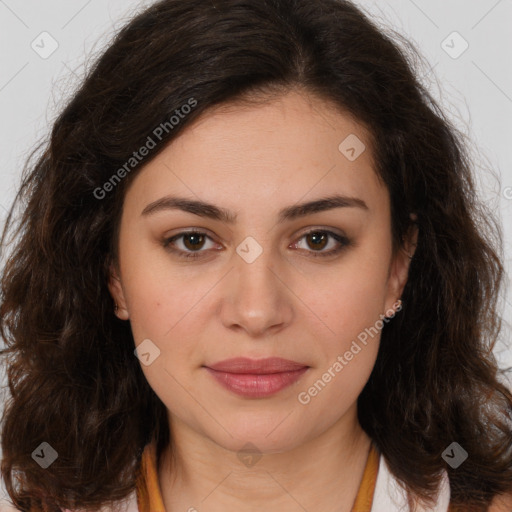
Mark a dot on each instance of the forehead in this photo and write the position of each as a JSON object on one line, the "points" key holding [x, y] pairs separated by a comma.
{"points": [[292, 147]]}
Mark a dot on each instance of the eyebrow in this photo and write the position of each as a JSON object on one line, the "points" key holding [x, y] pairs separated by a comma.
{"points": [[214, 212]]}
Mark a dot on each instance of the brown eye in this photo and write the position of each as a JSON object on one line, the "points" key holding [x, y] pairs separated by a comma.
{"points": [[193, 241], [317, 240]]}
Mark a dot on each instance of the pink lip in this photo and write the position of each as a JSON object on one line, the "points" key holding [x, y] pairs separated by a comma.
{"points": [[256, 378]]}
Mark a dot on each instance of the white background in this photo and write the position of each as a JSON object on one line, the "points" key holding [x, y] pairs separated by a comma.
{"points": [[475, 88]]}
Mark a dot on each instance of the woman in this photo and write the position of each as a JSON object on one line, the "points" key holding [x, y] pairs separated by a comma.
{"points": [[253, 272]]}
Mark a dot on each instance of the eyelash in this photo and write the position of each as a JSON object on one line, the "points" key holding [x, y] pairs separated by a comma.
{"points": [[344, 241]]}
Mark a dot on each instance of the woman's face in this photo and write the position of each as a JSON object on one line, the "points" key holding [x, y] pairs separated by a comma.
{"points": [[260, 286]]}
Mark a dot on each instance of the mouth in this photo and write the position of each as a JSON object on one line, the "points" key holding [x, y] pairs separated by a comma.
{"points": [[256, 378], [256, 366]]}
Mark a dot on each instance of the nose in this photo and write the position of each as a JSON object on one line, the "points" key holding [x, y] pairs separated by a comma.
{"points": [[257, 298]]}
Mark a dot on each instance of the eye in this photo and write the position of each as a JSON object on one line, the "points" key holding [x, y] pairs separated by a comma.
{"points": [[318, 240], [193, 241]]}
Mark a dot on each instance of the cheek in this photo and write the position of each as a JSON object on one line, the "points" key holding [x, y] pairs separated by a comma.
{"points": [[168, 310], [171, 308], [350, 302], [335, 388], [347, 353], [349, 298], [160, 296]]}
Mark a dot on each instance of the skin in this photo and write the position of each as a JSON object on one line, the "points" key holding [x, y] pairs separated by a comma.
{"points": [[254, 161], [501, 503]]}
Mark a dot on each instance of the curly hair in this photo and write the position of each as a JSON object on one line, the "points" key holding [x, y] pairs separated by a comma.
{"points": [[73, 377]]}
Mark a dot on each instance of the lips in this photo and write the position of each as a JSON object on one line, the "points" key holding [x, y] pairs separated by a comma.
{"points": [[252, 378], [257, 366]]}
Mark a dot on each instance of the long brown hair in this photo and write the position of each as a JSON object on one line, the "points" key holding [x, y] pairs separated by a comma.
{"points": [[74, 380]]}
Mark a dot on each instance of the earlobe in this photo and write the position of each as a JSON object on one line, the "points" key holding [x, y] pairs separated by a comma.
{"points": [[117, 293]]}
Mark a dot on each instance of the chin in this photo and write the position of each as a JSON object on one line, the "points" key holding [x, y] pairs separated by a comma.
{"points": [[267, 437]]}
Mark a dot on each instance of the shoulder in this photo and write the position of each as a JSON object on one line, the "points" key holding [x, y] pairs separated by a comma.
{"points": [[501, 503]]}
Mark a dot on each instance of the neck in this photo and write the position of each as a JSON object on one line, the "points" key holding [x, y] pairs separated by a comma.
{"points": [[323, 473]]}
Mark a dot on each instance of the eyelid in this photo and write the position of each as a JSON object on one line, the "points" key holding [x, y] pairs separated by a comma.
{"points": [[313, 229]]}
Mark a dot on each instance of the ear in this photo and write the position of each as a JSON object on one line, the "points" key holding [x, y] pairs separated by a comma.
{"points": [[399, 268], [116, 291]]}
